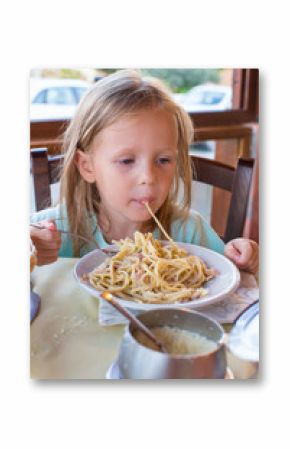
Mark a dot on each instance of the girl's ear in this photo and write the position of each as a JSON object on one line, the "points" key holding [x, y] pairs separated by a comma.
{"points": [[84, 165]]}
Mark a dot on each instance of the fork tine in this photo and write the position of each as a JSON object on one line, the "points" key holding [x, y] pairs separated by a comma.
{"points": [[106, 251], [62, 231]]}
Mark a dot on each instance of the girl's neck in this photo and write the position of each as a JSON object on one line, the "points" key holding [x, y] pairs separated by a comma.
{"points": [[113, 230]]}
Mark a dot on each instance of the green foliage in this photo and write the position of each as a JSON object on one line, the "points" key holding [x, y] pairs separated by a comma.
{"points": [[178, 80], [107, 71], [62, 73], [181, 80], [71, 73]]}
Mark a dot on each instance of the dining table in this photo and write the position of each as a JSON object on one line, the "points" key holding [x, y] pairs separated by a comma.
{"points": [[67, 338]]}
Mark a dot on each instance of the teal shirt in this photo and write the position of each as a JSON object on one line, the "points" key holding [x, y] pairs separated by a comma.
{"points": [[194, 230]]}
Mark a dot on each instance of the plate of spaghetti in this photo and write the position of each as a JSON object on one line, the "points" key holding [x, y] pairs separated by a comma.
{"points": [[146, 273]]}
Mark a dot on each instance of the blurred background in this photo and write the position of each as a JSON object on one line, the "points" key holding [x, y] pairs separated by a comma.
{"points": [[54, 94]]}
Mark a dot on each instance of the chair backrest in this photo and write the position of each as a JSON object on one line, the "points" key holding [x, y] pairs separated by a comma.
{"points": [[45, 171], [235, 180]]}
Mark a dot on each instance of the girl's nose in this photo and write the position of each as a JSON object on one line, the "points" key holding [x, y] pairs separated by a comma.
{"points": [[147, 175]]}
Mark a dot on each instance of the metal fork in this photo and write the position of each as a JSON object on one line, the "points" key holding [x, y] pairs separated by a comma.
{"points": [[106, 251]]}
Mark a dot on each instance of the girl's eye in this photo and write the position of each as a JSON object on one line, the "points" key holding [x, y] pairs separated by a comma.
{"points": [[164, 160], [126, 161]]}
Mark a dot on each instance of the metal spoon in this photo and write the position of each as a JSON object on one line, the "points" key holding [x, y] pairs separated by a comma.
{"points": [[134, 320]]}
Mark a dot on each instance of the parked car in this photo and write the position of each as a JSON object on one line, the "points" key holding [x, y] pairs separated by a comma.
{"points": [[206, 97], [52, 99]]}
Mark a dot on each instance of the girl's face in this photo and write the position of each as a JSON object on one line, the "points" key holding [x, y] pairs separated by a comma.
{"points": [[133, 161]]}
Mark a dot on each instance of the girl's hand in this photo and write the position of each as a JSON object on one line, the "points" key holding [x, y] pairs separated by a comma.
{"points": [[244, 253], [47, 242]]}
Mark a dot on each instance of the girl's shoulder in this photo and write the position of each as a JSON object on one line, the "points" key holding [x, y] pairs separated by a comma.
{"points": [[196, 230], [185, 228]]}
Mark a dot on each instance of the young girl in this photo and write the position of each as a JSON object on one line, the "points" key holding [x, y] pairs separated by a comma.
{"points": [[127, 145]]}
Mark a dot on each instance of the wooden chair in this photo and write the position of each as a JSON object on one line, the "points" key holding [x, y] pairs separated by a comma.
{"points": [[45, 171], [235, 180]]}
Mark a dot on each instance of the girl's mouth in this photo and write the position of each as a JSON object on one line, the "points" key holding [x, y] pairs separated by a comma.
{"points": [[143, 200]]}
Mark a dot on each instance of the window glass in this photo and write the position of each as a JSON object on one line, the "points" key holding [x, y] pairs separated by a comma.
{"points": [[197, 90]]}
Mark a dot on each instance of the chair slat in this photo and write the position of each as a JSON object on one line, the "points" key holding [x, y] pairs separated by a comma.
{"points": [[212, 172], [40, 174], [239, 200], [236, 180], [45, 171], [55, 166]]}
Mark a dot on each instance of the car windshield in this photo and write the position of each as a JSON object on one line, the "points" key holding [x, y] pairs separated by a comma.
{"points": [[79, 92], [212, 97], [207, 97], [60, 95]]}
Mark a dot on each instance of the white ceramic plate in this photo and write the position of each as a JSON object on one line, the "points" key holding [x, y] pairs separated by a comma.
{"points": [[225, 283]]}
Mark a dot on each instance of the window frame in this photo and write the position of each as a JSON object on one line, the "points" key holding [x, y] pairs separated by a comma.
{"points": [[245, 103]]}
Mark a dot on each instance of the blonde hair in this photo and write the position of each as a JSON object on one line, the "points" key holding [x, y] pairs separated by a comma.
{"points": [[123, 92]]}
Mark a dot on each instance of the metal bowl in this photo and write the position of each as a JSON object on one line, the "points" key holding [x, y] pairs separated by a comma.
{"points": [[136, 361]]}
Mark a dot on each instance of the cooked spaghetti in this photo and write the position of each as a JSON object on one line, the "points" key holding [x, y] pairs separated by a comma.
{"points": [[145, 270]]}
